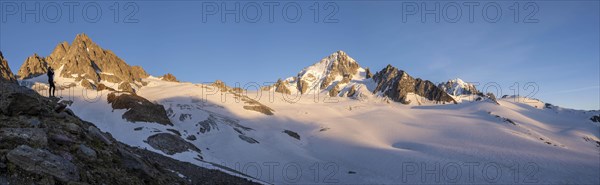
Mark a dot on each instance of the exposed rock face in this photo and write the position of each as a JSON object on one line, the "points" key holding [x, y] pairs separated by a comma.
{"points": [[169, 78], [86, 60], [170, 144], [322, 75], [51, 147], [33, 66], [281, 88], [221, 85], [40, 161], [139, 109], [368, 73], [352, 91], [396, 84], [6, 74], [292, 134], [595, 118], [457, 87], [334, 91]]}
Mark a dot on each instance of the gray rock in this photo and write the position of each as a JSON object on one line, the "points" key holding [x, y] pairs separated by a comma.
{"points": [[292, 134], [30, 136], [206, 125], [174, 131], [595, 118], [20, 104], [170, 144], [248, 139], [139, 109], [62, 139], [87, 151], [73, 128], [34, 122], [191, 138], [96, 133], [41, 161]]}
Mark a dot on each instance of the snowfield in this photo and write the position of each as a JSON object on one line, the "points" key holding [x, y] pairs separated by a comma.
{"points": [[361, 140]]}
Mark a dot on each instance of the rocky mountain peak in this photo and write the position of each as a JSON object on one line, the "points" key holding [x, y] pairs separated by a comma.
{"points": [[169, 78], [457, 86], [329, 70], [397, 85], [33, 66], [85, 60], [6, 75]]}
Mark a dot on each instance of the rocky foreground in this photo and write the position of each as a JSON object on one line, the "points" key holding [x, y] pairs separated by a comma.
{"points": [[43, 142]]}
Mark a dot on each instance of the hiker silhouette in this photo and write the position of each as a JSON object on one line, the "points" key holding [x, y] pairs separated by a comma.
{"points": [[52, 90]]}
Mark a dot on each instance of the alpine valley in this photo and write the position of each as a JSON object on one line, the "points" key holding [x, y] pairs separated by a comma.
{"points": [[334, 122]]}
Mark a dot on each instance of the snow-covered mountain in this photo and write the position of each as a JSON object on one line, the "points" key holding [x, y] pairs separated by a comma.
{"points": [[335, 122], [457, 87]]}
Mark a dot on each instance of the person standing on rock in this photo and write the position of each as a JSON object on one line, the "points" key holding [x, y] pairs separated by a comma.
{"points": [[52, 89]]}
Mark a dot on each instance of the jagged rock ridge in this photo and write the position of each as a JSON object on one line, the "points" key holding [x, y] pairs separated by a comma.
{"points": [[87, 62], [396, 84]]}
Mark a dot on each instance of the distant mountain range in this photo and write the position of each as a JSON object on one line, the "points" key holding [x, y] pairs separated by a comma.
{"points": [[380, 121]]}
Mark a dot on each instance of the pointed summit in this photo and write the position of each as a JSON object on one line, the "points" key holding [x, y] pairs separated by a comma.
{"points": [[34, 65], [457, 87], [87, 62], [335, 68]]}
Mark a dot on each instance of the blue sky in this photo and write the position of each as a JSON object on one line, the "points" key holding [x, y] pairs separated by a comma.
{"points": [[559, 53]]}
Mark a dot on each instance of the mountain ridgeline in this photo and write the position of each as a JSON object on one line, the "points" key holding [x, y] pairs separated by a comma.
{"points": [[341, 75], [88, 63], [337, 74]]}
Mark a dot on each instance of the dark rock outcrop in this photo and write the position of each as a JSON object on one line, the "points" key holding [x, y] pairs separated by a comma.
{"points": [[292, 134], [396, 84], [595, 118], [139, 109], [368, 73], [170, 144]]}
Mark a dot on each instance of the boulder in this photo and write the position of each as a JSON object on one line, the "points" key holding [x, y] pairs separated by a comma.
{"points": [[170, 144], [43, 162], [292, 134], [20, 136], [20, 104], [139, 109]]}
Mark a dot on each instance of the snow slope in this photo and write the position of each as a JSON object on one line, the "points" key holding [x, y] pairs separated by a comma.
{"points": [[364, 140]]}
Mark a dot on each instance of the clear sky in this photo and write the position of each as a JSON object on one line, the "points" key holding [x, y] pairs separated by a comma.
{"points": [[554, 44]]}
